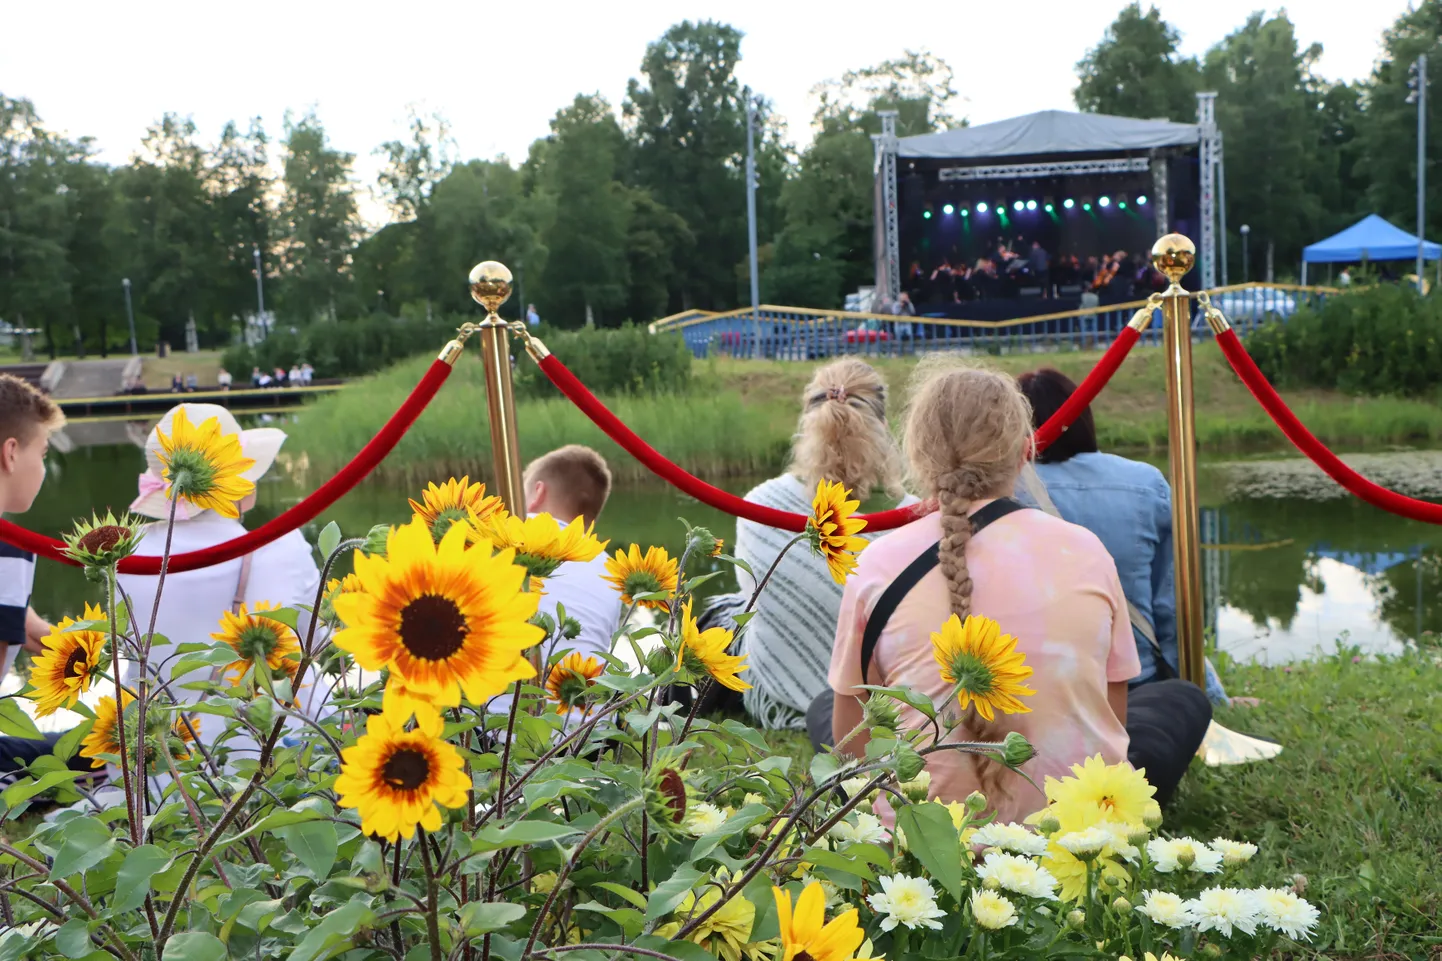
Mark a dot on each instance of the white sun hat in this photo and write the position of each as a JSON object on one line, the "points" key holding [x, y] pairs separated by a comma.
{"points": [[260, 444]]}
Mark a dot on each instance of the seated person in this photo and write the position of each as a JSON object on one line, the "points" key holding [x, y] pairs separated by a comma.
{"points": [[1128, 505], [1049, 584], [843, 436]]}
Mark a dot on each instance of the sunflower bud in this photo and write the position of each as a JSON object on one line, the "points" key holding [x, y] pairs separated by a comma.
{"points": [[376, 539], [1076, 918], [659, 661], [545, 622], [911, 772], [1049, 825], [1016, 750], [666, 800], [103, 541], [881, 711], [1121, 905], [570, 628], [976, 802], [702, 541]]}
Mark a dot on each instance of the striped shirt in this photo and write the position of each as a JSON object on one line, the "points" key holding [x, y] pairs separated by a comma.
{"points": [[788, 642], [17, 577]]}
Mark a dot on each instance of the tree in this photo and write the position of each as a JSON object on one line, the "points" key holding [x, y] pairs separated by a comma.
{"points": [[1135, 71], [240, 182], [413, 169], [318, 220], [918, 86], [658, 242]]}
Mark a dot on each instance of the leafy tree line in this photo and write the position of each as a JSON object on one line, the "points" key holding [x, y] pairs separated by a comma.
{"points": [[632, 211]]}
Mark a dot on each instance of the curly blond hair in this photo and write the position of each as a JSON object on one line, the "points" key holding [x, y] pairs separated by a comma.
{"points": [[843, 435], [968, 432]]}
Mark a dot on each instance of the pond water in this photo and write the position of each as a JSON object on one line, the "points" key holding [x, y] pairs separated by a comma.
{"points": [[1289, 572]]}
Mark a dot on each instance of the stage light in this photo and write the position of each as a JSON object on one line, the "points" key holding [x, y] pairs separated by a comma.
{"points": [[1121, 204], [1104, 201], [1018, 206], [965, 212], [1031, 205], [1048, 208], [948, 209], [926, 215], [1142, 200], [1086, 206], [1068, 203], [981, 207]]}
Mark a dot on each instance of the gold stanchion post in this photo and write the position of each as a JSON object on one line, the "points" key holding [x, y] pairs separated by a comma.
{"points": [[490, 284], [1174, 256]]}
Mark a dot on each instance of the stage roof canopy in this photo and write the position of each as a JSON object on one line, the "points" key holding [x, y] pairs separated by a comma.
{"points": [[1049, 132], [1370, 238]]}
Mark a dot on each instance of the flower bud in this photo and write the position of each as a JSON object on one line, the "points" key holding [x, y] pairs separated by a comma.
{"points": [[1186, 857], [976, 802], [1112, 881], [659, 661], [1152, 817], [991, 883], [571, 629], [911, 771], [1076, 918], [544, 621], [376, 539], [1138, 838], [702, 541], [1121, 905], [1212, 950], [1049, 825], [881, 711], [1016, 749]]}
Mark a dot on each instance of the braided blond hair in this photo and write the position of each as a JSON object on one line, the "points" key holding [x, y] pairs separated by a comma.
{"points": [[843, 435], [968, 431]]}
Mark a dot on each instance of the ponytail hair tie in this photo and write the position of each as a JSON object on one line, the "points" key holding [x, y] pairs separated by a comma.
{"points": [[836, 393]]}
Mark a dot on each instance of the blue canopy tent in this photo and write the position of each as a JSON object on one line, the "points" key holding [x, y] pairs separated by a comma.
{"points": [[1370, 238]]}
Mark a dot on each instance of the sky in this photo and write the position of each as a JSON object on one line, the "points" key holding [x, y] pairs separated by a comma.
{"points": [[499, 73]]}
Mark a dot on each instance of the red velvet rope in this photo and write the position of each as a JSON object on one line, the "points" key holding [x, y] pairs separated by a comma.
{"points": [[668, 471], [1369, 491], [307, 510]]}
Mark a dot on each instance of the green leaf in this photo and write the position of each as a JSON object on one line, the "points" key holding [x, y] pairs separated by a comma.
{"points": [[69, 742], [73, 939], [823, 766], [328, 540], [86, 842], [25, 790], [215, 657], [621, 891], [908, 696], [932, 837], [314, 843], [193, 946], [279, 819], [335, 933], [133, 880], [483, 917], [670, 892], [491, 838], [16, 723], [628, 919], [838, 862]]}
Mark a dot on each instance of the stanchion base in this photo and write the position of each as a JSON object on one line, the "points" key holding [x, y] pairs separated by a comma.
{"points": [[1223, 746]]}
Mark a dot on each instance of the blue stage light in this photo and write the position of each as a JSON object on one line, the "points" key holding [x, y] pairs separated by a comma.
{"points": [[1068, 203], [981, 207], [1142, 200], [948, 209], [1104, 201], [1018, 206], [1031, 205]]}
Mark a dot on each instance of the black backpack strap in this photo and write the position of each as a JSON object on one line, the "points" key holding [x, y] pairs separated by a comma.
{"points": [[915, 571]]}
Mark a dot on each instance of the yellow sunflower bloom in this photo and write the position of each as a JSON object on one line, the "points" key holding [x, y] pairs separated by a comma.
{"points": [[104, 736], [400, 703], [336, 586], [453, 502], [446, 618], [833, 530], [984, 664], [395, 778], [540, 542], [186, 728], [71, 658], [705, 653], [807, 934], [258, 639], [572, 676], [204, 466], [1100, 792], [632, 573]]}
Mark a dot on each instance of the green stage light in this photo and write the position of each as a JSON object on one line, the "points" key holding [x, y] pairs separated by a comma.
{"points": [[1121, 204], [926, 215], [948, 209], [1031, 205], [965, 212], [1142, 200], [1086, 206], [1104, 201], [1068, 203], [981, 207], [1048, 208]]}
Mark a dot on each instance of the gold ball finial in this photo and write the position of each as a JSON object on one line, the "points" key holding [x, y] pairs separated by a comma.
{"points": [[1174, 256], [490, 283]]}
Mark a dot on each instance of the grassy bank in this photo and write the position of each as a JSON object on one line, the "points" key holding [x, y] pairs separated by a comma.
{"points": [[1354, 803], [738, 416]]}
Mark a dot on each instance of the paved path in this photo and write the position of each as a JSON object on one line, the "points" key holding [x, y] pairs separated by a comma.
{"points": [[92, 378]]}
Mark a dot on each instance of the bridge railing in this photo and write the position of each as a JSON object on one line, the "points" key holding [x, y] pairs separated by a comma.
{"points": [[800, 333]]}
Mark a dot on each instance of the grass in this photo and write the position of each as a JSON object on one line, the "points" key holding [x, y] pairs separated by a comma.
{"points": [[1354, 803], [738, 417], [205, 365]]}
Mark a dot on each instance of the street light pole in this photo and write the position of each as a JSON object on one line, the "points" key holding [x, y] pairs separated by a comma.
{"points": [[751, 211], [1246, 273], [260, 292], [130, 317], [1420, 68]]}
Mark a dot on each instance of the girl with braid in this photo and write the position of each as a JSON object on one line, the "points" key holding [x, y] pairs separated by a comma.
{"points": [[1048, 583]]}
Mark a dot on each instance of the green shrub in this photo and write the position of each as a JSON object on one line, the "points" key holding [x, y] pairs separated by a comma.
{"points": [[347, 348], [1382, 340], [613, 361]]}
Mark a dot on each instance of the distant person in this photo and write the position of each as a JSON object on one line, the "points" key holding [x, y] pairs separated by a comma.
{"points": [[192, 383], [255, 376], [307, 374], [533, 319], [903, 307], [222, 379], [280, 377], [295, 378], [263, 380], [177, 384], [1040, 264], [1345, 277]]}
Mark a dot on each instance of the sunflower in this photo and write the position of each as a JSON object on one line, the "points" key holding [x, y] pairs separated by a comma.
{"points": [[103, 540], [395, 778], [204, 466], [186, 728], [258, 639], [71, 659], [336, 586], [632, 573], [1100, 792], [540, 542], [984, 665], [400, 703], [453, 502], [833, 529], [569, 680], [806, 933], [104, 736], [705, 653], [446, 618]]}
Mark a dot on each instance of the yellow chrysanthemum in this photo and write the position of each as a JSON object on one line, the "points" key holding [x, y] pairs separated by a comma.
{"points": [[808, 935], [258, 639], [984, 664], [540, 542], [396, 778], [446, 618], [453, 502], [705, 652], [203, 465], [572, 676], [1100, 792], [632, 573], [104, 736], [71, 658], [726, 934], [833, 528]]}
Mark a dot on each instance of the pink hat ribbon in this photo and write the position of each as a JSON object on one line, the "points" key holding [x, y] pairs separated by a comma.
{"points": [[155, 484]]}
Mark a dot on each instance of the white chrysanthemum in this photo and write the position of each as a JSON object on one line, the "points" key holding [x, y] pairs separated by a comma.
{"points": [[1233, 852], [866, 829], [703, 818], [919, 786], [854, 784], [992, 911], [1224, 910], [1085, 844], [1121, 844], [752, 799], [1183, 854], [1281, 910], [1165, 908], [1019, 875], [906, 900], [1010, 837]]}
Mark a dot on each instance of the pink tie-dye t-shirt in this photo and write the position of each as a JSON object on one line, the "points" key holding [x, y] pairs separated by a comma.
{"points": [[1049, 584]]}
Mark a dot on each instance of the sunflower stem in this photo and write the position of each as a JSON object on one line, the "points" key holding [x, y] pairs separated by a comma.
{"points": [[756, 595], [134, 822], [433, 923]]}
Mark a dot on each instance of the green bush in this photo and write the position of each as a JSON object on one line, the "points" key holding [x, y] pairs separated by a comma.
{"points": [[613, 361], [347, 348], [1378, 341]]}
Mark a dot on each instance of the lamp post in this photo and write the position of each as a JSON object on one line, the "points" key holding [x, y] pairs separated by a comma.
{"points": [[130, 317], [260, 292], [1246, 272], [751, 210], [1418, 83]]}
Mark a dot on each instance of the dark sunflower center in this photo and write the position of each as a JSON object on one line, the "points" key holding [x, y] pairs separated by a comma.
{"points": [[444, 519], [76, 665], [432, 627], [191, 471], [803, 956], [973, 674], [406, 770], [103, 539], [673, 790]]}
